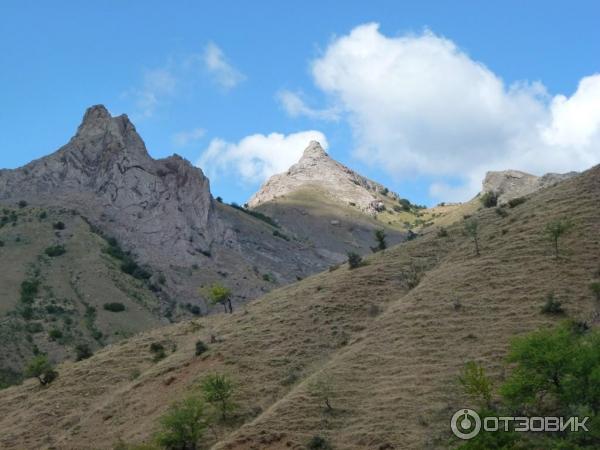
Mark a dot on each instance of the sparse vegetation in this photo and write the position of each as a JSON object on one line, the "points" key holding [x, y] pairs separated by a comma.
{"points": [[218, 390], [219, 294], [279, 234], [256, 214], [55, 250], [114, 307], [502, 212], [184, 425], [40, 368], [472, 230], [201, 348], [489, 199], [322, 389], [380, 241], [554, 230], [158, 351], [354, 260], [552, 305], [442, 232], [318, 443], [476, 383], [83, 351]]}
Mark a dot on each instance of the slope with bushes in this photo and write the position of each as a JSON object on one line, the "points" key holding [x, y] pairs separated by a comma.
{"points": [[387, 339]]}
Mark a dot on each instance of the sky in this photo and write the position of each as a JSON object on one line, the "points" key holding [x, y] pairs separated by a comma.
{"points": [[424, 97]]}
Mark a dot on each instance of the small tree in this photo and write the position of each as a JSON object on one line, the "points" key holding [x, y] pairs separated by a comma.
{"points": [[83, 351], [380, 240], [183, 425], [218, 293], [554, 230], [489, 199], [476, 383], [40, 368], [218, 391], [354, 260], [472, 230], [322, 388]]}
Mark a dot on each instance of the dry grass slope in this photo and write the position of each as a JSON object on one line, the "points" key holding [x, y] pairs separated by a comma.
{"points": [[392, 335]]}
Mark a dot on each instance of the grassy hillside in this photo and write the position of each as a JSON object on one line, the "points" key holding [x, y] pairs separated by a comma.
{"points": [[389, 337], [55, 279]]}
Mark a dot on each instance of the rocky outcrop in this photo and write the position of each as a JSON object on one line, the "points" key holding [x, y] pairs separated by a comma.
{"points": [[316, 168], [160, 210], [508, 184]]}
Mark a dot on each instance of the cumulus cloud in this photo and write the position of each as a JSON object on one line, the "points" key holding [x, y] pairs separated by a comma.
{"points": [[257, 157], [295, 106], [418, 105], [184, 138], [217, 64]]}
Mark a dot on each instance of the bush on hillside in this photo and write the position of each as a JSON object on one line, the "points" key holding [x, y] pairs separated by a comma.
{"points": [[114, 307], [55, 250], [58, 226], [83, 351], [513, 202], [489, 199], [201, 348], [354, 260], [552, 305], [40, 368]]}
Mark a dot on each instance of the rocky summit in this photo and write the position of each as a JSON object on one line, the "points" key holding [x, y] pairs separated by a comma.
{"points": [[508, 184], [316, 167]]}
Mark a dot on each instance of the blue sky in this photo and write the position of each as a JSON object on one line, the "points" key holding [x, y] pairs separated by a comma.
{"points": [[424, 102]]}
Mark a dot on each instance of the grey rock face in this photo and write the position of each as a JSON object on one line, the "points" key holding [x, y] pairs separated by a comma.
{"points": [[317, 168], [106, 173], [509, 184], [161, 210]]}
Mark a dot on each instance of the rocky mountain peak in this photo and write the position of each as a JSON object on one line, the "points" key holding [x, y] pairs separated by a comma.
{"points": [[317, 169], [313, 151], [509, 184]]}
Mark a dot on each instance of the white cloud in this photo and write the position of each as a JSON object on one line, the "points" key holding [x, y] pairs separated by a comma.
{"points": [[418, 105], [295, 106], [216, 63], [184, 138], [257, 157], [157, 84]]}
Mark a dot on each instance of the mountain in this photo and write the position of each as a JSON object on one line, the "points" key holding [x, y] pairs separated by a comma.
{"points": [[324, 202], [389, 338], [154, 237], [509, 184]]}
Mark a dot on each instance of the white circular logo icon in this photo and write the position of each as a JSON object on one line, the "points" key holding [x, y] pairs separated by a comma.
{"points": [[465, 424]]}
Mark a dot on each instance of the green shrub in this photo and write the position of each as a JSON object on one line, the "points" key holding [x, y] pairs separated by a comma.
{"points": [[183, 425], [513, 202], [114, 307], [256, 214], [279, 234], [354, 260], [22, 204], [40, 368], [318, 443], [489, 199], [1, 243], [59, 226], [554, 230], [552, 306], [83, 351], [442, 232], [201, 348], [43, 215], [380, 240], [55, 334], [158, 350], [217, 293], [34, 327], [476, 383], [29, 290], [55, 250], [218, 390]]}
